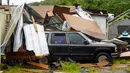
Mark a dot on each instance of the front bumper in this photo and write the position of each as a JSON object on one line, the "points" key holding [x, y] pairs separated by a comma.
{"points": [[114, 55]]}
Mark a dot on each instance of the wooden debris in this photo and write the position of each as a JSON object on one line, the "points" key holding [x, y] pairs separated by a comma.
{"points": [[103, 63], [125, 54], [38, 64], [120, 66], [35, 26], [29, 55]]}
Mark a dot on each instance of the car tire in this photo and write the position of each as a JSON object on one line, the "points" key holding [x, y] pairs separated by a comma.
{"points": [[102, 56], [43, 60]]}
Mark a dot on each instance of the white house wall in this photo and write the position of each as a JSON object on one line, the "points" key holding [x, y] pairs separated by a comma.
{"points": [[101, 21]]}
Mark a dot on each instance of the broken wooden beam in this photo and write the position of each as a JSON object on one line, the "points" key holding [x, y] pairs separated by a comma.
{"points": [[38, 64]]}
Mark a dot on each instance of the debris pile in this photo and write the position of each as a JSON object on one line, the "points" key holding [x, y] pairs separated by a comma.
{"points": [[62, 19]]}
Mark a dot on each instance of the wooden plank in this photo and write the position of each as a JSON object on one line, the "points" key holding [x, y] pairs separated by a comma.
{"points": [[34, 24], [125, 54], [38, 64], [29, 55]]}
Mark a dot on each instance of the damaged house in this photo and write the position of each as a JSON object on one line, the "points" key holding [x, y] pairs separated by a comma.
{"points": [[26, 32], [55, 15], [118, 25], [28, 25]]}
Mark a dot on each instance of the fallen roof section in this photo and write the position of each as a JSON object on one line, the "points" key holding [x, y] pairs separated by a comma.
{"points": [[42, 10], [86, 26]]}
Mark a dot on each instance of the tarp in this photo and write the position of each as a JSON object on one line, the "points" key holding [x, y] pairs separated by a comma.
{"points": [[14, 20], [88, 27], [18, 37]]}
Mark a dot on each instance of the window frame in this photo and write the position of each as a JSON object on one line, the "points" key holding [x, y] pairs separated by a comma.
{"points": [[52, 38], [79, 35], [47, 37]]}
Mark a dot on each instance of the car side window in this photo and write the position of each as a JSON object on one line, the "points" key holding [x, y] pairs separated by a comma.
{"points": [[58, 38], [76, 38]]}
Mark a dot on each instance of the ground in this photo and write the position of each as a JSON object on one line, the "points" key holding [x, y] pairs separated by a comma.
{"points": [[119, 66]]}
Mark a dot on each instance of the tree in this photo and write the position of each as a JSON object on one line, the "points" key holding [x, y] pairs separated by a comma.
{"points": [[112, 6]]}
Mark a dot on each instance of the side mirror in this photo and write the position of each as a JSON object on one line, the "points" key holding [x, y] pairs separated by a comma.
{"points": [[86, 42]]}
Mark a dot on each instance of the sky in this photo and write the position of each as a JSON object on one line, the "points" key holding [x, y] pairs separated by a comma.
{"points": [[19, 2]]}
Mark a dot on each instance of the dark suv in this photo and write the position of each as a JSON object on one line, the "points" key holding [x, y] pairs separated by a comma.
{"points": [[77, 46]]}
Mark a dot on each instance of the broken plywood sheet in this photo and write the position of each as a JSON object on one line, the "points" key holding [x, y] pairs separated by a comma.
{"points": [[125, 54], [86, 26]]}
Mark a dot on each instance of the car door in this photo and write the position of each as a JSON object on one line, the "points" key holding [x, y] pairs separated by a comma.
{"points": [[79, 47], [58, 45]]}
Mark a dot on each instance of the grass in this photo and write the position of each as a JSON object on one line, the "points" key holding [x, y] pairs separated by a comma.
{"points": [[67, 67], [22, 69], [93, 69], [10, 69], [15, 69], [128, 69], [121, 61], [113, 69], [70, 67]]}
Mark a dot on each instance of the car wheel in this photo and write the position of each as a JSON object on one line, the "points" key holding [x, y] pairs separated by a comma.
{"points": [[43, 60], [103, 56]]}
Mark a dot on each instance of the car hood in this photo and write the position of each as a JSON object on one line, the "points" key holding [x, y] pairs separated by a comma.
{"points": [[103, 44]]}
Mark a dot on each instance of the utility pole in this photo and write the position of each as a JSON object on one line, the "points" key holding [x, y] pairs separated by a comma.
{"points": [[8, 2]]}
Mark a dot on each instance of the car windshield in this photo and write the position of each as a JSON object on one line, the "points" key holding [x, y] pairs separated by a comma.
{"points": [[93, 39]]}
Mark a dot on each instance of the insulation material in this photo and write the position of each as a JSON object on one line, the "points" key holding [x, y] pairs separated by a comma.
{"points": [[13, 22], [88, 27], [83, 14], [36, 41], [65, 26]]}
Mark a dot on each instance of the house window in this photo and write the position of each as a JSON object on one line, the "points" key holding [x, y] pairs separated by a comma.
{"points": [[122, 28]]}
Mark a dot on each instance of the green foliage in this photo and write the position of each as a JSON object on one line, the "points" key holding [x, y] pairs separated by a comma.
{"points": [[70, 67], [112, 6], [93, 70], [121, 61], [128, 69], [35, 3]]}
